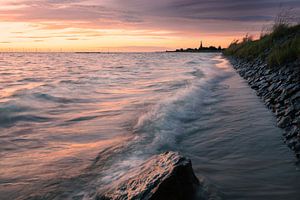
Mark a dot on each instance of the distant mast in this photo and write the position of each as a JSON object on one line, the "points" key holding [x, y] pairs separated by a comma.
{"points": [[201, 46]]}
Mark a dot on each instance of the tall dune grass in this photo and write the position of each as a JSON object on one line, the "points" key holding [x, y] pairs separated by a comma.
{"points": [[281, 45]]}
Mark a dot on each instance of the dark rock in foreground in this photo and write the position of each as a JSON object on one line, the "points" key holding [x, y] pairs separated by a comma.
{"points": [[167, 176], [280, 90]]}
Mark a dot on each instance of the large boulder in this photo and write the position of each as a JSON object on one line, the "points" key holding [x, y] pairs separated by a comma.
{"points": [[168, 176]]}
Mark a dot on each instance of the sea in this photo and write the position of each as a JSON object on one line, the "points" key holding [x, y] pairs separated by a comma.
{"points": [[73, 123]]}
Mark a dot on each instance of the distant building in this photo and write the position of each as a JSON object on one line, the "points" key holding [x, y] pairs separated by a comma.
{"points": [[200, 49], [201, 46]]}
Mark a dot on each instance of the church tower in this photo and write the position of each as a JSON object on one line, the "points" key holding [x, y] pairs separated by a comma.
{"points": [[201, 46]]}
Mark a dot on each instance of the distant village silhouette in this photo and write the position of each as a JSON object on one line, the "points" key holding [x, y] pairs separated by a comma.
{"points": [[200, 49]]}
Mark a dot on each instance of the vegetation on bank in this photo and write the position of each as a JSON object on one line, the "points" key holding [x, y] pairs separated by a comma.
{"points": [[281, 45]]}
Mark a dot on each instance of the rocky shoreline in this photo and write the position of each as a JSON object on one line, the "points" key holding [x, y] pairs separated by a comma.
{"points": [[279, 88]]}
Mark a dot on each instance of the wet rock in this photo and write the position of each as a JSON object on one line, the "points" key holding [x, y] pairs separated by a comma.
{"points": [[273, 86], [284, 122], [290, 111], [296, 96], [168, 176], [292, 133], [296, 121], [297, 148], [279, 112], [255, 87], [297, 105], [282, 96]]}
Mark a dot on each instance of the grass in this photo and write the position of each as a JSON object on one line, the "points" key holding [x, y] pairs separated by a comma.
{"points": [[280, 46]]}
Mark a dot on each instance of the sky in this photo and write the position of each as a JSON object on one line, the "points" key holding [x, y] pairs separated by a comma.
{"points": [[132, 25]]}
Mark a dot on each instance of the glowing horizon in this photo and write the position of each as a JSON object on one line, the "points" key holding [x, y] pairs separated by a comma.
{"points": [[129, 25]]}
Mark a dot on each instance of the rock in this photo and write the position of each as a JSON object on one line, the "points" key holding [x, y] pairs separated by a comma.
{"points": [[272, 76], [279, 88], [290, 111], [267, 71], [273, 86], [282, 96], [296, 96], [279, 112], [282, 77], [296, 121], [297, 147], [284, 122], [167, 176], [297, 105], [292, 133], [291, 144], [255, 87]]}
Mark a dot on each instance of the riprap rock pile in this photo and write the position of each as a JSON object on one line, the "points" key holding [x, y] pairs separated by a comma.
{"points": [[280, 90]]}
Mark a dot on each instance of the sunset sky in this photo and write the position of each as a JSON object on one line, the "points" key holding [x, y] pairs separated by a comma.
{"points": [[131, 25]]}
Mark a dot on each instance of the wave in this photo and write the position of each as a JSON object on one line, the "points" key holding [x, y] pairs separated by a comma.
{"points": [[158, 129], [165, 104], [31, 80], [12, 112], [198, 73], [8, 120], [167, 119], [63, 100], [84, 118]]}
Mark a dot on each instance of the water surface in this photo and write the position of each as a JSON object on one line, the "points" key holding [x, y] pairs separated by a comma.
{"points": [[71, 124]]}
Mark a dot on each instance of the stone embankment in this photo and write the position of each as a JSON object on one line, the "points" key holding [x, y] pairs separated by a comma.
{"points": [[280, 90]]}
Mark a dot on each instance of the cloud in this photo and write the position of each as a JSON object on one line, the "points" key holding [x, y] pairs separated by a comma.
{"points": [[156, 19], [73, 39], [17, 32], [136, 11], [66, 10]]}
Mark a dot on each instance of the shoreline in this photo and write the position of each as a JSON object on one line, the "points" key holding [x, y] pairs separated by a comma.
{"points": [[280, 91]]}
